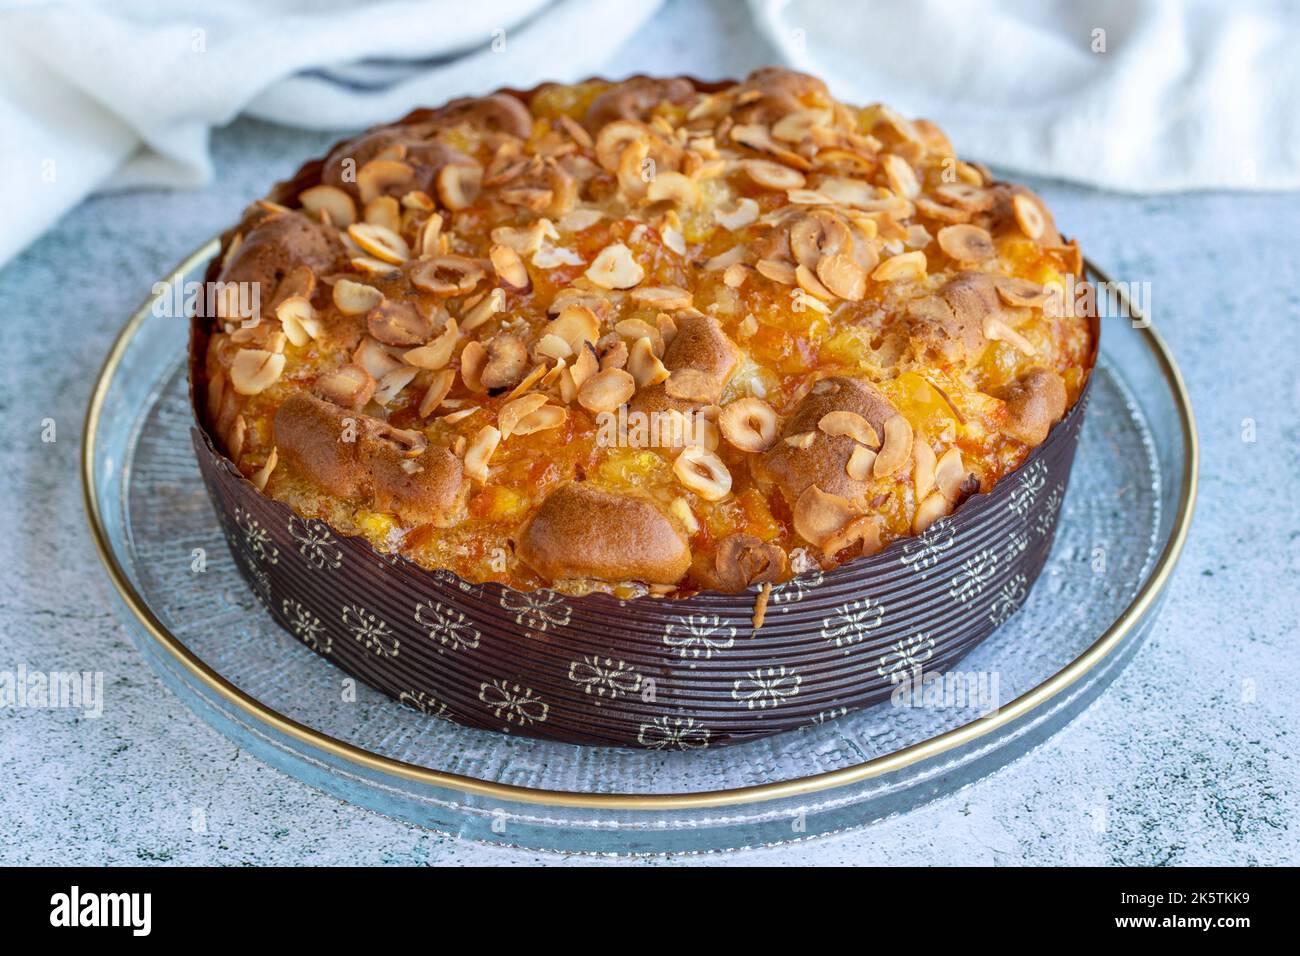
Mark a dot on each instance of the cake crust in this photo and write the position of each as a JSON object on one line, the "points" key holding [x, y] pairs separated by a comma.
{"points": [[478, 326]]}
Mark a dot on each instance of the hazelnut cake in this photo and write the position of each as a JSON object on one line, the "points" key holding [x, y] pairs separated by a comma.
{"points": [[647, 337]]}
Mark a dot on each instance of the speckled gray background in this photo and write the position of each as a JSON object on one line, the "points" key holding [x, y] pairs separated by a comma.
{"points": [[1189, 758]]}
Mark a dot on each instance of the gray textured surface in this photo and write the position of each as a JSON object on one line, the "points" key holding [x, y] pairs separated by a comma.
{"points": [[1190, 757]]}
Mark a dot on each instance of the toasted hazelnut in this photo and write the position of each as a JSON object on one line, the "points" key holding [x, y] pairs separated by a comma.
{"points": [[446, 275], [742, 560], [615, 268], [380, 241], [950, 475], [380, 175], [748, 424], [506, 363], [350, 386], [399, 322], [333, 202], [458, 185], [355, 298], [702, 472], [966, 243], [1029, 216], [606, 390]]}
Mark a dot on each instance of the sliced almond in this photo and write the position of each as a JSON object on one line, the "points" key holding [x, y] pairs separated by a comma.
{"points": [[509, 267], [923, 466], [950, 474], [350, 386], [771, 175], [452, 418], [375, 358], [480, 310], [333, 202], [553, 347], [584, 366], [896, 448], [458, 185], [907, 265], [748, 424], [437, 353], [743, 212], [851, 425], [901, 176], [662, 296], [298, 319], [235, 437], [614, 354], [479, 452], [645, 367], [254, 370], [860, 463], [380, 241], [606, 390], [473, 357], [633, 329], [431, 238], [1029, 216], [682, 512], [807, 280], [966, 243], [802, 440], [676, 188], [702, 472], [843, 276], [818, 515], [615, 268], [996, 330], [383, 211], [511, 412], [355, 298], [933, 507], [439, 385], [380, 175], [776, 270], [548, 416], [263, 474], [391, 385], [575, 324]]}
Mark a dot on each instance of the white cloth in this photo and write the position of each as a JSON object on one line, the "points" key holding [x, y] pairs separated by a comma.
{"points": [[125, 94], [1172, 96]]}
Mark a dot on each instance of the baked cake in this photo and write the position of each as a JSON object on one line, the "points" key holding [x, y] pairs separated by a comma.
{"points": [[641, 337]]}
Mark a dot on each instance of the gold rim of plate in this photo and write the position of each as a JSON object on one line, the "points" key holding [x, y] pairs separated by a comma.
{"points": [[932, 747]]}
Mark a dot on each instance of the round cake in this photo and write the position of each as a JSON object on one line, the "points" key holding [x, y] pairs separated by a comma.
{"points": [[647, 339]]}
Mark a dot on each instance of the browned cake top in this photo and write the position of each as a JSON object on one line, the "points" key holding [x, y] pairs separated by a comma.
{"points": [[642, 337]]}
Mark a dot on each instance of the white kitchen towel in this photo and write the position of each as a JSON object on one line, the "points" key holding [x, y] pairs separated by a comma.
{"points": [[125, 94], [1132, 95]]}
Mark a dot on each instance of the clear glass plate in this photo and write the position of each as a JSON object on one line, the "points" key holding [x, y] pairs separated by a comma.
{"points": [[1125, 515]]}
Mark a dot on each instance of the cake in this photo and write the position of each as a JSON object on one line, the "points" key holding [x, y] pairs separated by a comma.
{"points": [[644, 339]]}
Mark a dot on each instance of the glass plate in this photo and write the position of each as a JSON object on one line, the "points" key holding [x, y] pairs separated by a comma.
{"points": [[1125, 515]]}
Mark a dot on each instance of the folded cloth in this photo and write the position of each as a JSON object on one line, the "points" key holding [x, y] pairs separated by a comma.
{"points": [[95, 97], [1132, 95]]}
